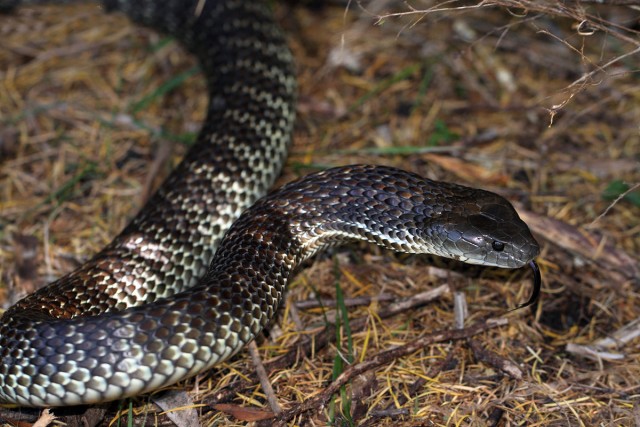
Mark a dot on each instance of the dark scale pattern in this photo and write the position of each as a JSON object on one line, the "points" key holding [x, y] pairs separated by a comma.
{"points": [[239, 153], [136, 318], [168, 246]]}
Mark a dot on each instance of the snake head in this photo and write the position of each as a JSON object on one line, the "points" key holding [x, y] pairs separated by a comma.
{"points": [[486, 230]]}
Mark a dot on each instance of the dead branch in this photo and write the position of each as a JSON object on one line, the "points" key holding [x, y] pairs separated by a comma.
{"points": [[384, 358]]}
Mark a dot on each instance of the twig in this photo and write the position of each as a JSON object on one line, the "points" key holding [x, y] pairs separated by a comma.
{"points": [[414, 388], [45, 419], [321, 339], [611, 260], [612, 204], [622, 336], [599, 350], [264, 378], [480, 353], [495, 360], [609, 2], [348, 302], [384, 358], [460, 309], [601, 68], [415, 301]]}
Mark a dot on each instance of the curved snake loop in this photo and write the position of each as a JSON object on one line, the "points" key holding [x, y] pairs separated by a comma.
{"points": [[156, 305]]}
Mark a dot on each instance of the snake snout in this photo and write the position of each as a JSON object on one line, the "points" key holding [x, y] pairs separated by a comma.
{"points": [[507, 239], [493, 235]]}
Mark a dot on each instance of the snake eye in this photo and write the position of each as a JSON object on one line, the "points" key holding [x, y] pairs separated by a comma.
{"points": [[497, 246]]}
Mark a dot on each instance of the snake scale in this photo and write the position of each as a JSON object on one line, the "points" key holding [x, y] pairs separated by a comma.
{"points": [[160, 303]]}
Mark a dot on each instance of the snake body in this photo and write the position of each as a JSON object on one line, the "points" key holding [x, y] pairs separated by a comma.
{"points": [[160, 303]]}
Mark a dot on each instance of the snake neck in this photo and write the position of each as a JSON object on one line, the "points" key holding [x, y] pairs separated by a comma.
{"points": [[395, 209], [269, 242]]}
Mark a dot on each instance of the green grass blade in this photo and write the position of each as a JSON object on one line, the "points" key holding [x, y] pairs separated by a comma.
{"points": [[64, 191], [164, 88], [384, 85]]}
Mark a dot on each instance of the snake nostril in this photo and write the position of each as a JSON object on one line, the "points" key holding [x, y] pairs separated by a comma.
{"points": [[497, 246]]}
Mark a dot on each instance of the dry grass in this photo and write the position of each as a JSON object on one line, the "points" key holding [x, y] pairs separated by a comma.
{"points": [[466, 95]]}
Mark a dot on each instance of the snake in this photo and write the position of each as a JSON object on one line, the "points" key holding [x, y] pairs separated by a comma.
{"points": [[203, 267]]}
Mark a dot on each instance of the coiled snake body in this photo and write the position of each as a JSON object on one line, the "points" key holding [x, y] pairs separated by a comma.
{"points": [[152, 308]]}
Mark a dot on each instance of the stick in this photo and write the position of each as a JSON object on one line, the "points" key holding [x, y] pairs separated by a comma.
{"points": [[384, 358]]}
